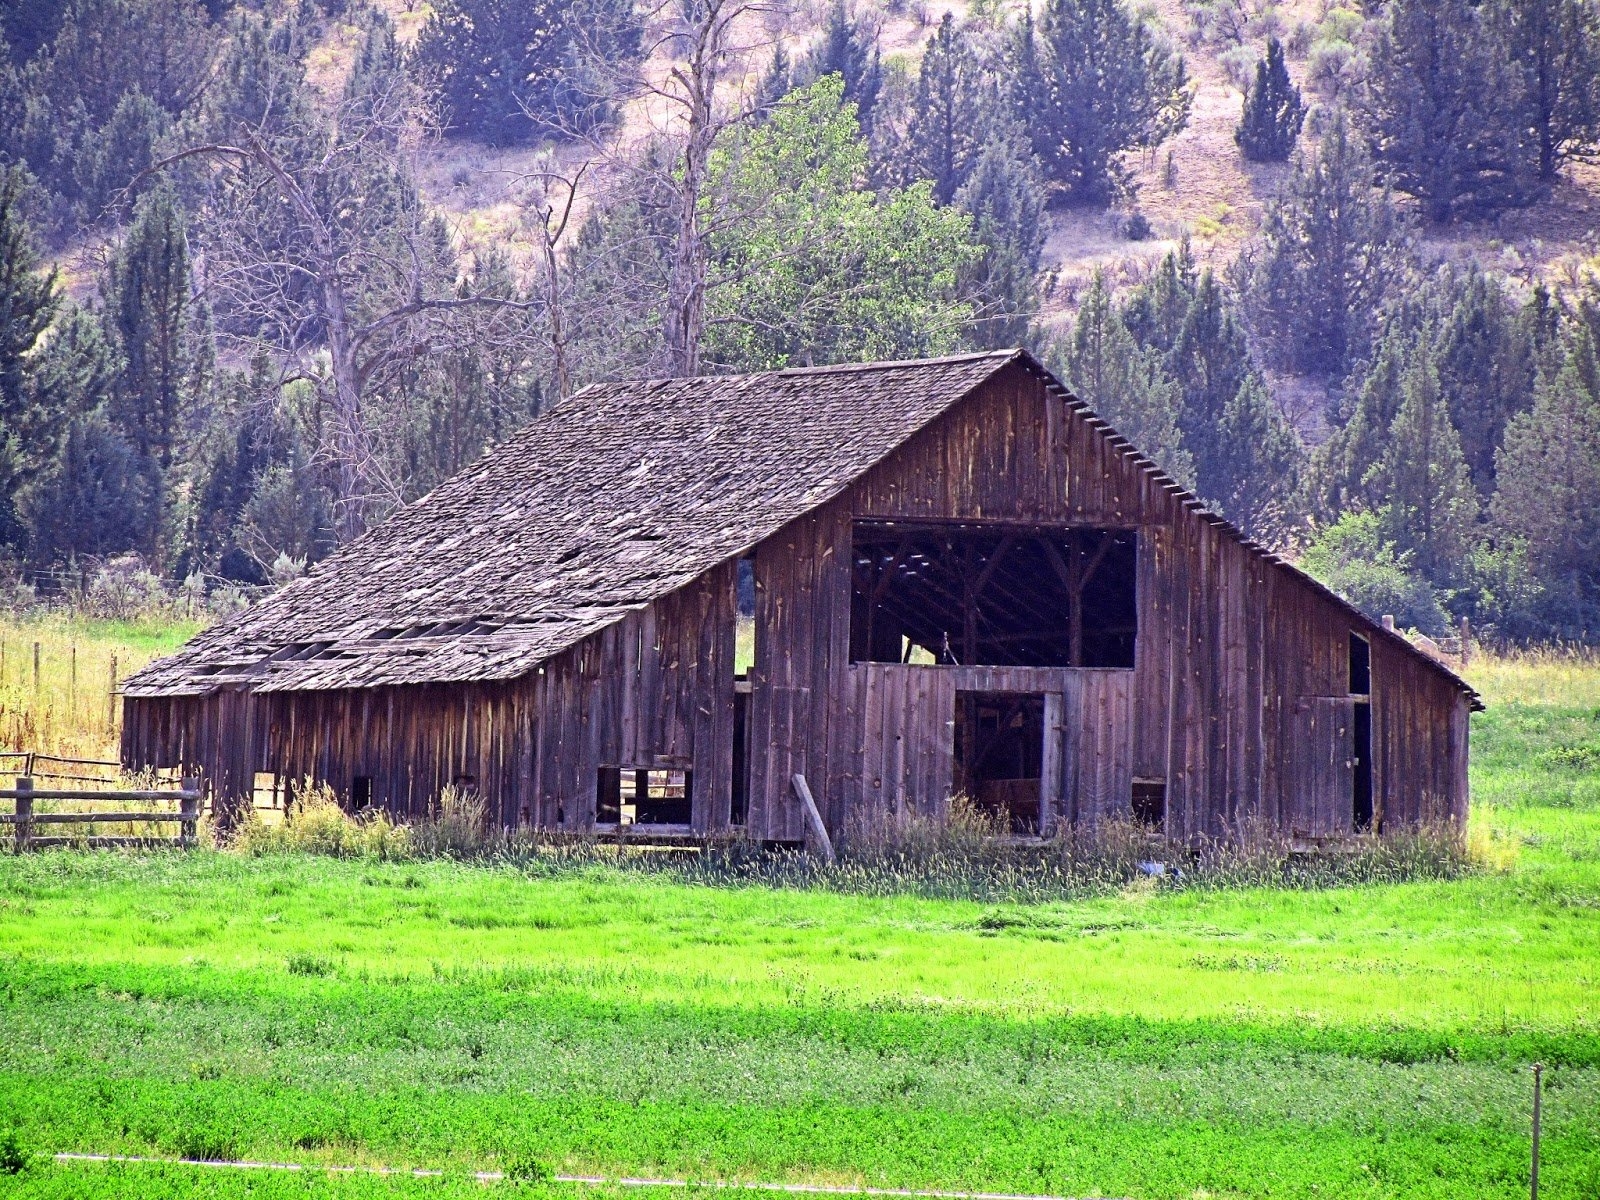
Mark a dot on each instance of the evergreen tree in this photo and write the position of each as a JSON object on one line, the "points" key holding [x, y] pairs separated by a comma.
{"points": [[29, 421], [1155, 312], [512, 71], [1093, 82], [148, 309], [1255, 463], [1124, 382], [1339, 478], [1330, 250], [97, 498], [1429, 508], [1486, 368], [1556, 46], [1549, 494], [847, 48], [1005, 199], [1273, 110], [949, 116], [1445, 109]]}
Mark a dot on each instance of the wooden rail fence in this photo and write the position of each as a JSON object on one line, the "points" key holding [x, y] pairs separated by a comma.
{"points": [[24, 819]]}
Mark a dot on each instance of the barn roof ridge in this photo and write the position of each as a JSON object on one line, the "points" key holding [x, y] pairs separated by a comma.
{"points": [[543, 582]]}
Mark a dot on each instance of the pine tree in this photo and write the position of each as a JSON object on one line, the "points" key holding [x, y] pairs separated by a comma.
{"points": [[847, 48], [1273, 110], [1446, 111], [148, 309], [1549, 494], [949, 116], [1339, 479], [1429, 505], [98, 498], [1255, 463], [1005, 199], [512, 71], [1330, 250], [1556, 45], [1091, 82], [1486, 368], [1124, 382]]}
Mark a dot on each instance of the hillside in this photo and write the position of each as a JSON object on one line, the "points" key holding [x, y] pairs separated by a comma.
{"points": [[1197, 184]]}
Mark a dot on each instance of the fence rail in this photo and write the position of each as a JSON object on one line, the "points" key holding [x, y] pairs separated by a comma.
{"points": [[24, 819]]}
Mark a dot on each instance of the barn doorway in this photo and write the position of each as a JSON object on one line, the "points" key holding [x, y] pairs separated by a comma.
{"points": [[999, 756], [1361, 806]]}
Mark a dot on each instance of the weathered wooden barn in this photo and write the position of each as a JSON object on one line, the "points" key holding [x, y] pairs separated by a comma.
{"points": [[661, 601]]}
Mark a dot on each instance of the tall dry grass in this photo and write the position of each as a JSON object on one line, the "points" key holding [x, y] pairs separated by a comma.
{"points": [[67, 708]]}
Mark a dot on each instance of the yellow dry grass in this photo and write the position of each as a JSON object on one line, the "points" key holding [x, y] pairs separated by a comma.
{"points": [[66, 706]]}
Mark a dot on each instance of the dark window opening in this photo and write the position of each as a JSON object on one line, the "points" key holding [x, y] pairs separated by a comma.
{"points": [[467, 785], [643, 796], [608, 796], [1150, 803], [1361, 784], [999, 752], [741, 757], [744, 596], [361, 792], [985, 596], [1360, 666]]}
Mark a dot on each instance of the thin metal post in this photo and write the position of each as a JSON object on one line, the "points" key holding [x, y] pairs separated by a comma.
{"points": [[24, 827], [1533, 1174]]}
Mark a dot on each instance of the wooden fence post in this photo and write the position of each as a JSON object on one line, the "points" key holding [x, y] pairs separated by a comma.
{"points": [[72, 683], [111, 696], [190, 808], [24, 826], [36, 668]]}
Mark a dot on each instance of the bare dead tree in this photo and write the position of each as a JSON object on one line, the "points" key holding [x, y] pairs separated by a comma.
{"points": [[553, 186], [316, 244], [709, 47]]}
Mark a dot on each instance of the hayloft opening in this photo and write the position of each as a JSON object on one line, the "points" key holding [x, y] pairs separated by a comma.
{"points": [[975, 595], [643, 796], [1360, 666], [999, 756]]}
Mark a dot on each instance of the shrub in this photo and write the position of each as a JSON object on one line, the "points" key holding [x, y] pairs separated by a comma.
{"points": [[314, 823]]}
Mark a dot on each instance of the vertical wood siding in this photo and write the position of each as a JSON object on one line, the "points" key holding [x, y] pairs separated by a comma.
{"points": [[1237, 700]]}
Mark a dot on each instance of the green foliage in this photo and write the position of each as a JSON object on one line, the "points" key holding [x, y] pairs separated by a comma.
{"points": [[1556, 43], [1273, 111], [1429, 506], [1354, 558], [1124, 382], [1089, 82], [847, 47], [1005, 199], [1549, 496], [810, 267], [15, 1157], [950, 117], [515, 71], [1445, 108], [1329, 252]]}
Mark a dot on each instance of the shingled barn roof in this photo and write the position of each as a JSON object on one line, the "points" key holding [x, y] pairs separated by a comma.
{"points": [[617, 496], [620, 494]]}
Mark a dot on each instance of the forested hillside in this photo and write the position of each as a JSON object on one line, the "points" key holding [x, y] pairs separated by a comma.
{"points": [[268, 270]]}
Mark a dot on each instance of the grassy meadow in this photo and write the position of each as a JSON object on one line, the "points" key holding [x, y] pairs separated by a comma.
{"points": [[1363, 1041]]}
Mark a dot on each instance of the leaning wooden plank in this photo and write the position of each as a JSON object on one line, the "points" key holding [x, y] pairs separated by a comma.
{"points": [[813, 817]]}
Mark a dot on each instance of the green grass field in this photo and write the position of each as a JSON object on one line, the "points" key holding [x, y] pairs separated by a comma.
{"points": [[1365, 1041]]}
